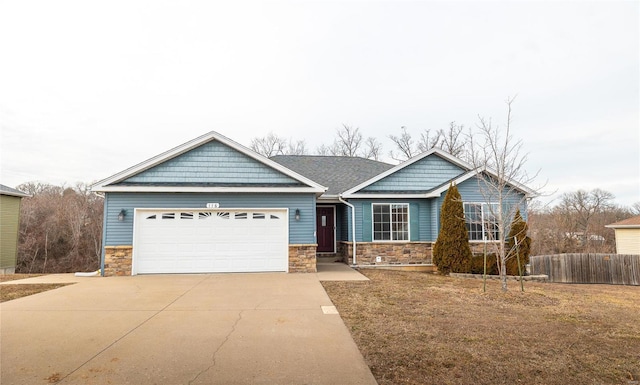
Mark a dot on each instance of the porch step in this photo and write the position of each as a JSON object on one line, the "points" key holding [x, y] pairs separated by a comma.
{"points": [[328, 258]]}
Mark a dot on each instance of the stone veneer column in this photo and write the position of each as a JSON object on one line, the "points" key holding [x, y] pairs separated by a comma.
{"points": [[302, 258], [117, 260]]}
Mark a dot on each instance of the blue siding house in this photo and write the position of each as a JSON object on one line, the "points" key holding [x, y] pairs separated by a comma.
{"points": [[213, 205]]}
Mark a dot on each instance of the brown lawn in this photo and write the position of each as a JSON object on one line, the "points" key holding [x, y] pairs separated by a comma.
{"points": [[9, 292], [421, 328]]}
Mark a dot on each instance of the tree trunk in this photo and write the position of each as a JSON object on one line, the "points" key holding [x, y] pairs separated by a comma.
{"points": [[503, 275]]}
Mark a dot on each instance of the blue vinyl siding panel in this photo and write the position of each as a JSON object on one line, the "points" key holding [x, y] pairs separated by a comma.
{"points": [[424, 175], [366, 231], [419, 218], [342, 223], [346, 224], [435, 205], [121, 233], [414, 221], [212, 162], [471, 191]]}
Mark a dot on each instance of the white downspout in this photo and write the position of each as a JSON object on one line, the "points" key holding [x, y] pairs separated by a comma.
{"points": [[353, 225]]}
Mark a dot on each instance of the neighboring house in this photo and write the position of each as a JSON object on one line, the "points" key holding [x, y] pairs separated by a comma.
{"points": [[9, 226], [627, 235], [213, 205]]}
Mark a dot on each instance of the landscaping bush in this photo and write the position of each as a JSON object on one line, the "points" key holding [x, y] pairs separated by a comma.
{"points": [[477, 264], [451, 252], [520, 252]]}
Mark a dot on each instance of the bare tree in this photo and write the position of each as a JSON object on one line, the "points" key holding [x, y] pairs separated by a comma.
{"points": [[405, 145], [451, 140], [575, 224], [501, 176], [298, 147], [546, 231], [273, 144], [269, 145], [635, 208], [373, 149], [578, 211], [347, 142], [60, 229], [323, 150], [428, 141]]}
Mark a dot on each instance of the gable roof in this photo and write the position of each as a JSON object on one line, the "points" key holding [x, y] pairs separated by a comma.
{"points": [[118, 182], [354, 191], [472, 173], [629, 223], [6, 190], [468, 172], [338, 173]]}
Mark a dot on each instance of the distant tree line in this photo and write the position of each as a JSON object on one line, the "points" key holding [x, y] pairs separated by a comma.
{"points": [[60, 229], [349, 141], [576, 224]]}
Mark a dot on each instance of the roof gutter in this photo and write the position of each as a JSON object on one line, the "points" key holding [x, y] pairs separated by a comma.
{"points": [[353, 225]]}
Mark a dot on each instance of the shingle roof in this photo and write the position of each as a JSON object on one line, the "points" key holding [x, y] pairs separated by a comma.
{"points": [[6, 190], [629, 222], [338, 173]]}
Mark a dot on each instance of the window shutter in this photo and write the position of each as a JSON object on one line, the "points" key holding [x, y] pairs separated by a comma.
{"points": [[414, 222], [366, 222]]}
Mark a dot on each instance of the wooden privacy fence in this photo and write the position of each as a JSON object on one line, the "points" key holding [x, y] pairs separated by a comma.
{"points": [[616, 269]]}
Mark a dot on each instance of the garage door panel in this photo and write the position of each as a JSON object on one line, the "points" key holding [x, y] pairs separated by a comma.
{"points": [[195, 241]]}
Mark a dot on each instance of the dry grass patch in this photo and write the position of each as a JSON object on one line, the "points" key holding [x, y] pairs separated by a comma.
{"points": [[15, 277], [9, 292], [420, 328]]}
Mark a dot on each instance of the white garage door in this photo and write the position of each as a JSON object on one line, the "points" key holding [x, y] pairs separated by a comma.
{"points": [[210, 240]]}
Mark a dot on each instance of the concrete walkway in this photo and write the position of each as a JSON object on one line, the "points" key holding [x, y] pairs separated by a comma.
{"points": [[179, 329], [338, 271]]}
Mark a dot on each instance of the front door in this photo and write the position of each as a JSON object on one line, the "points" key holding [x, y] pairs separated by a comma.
{"points": [[325, 229]]}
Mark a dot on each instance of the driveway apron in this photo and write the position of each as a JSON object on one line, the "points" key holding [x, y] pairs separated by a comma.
{"points": [[179, 329]]}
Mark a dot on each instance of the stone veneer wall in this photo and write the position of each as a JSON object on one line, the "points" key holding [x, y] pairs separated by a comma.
{"points": [[117, 260], [391, 253], [302, 258], [477, 248], [394, 253]]}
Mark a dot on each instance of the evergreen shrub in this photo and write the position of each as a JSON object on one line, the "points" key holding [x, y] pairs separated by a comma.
{"points": [[451, 252]]}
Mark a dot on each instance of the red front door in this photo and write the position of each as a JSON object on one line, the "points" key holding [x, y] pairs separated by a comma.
{"points": [[325, 229]]}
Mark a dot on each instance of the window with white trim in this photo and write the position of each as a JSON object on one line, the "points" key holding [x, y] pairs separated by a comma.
{"points": [[390, 221], [481, 222]]}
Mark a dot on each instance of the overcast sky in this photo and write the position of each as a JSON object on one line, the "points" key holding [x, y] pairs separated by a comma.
{"points": [[90, 88]]}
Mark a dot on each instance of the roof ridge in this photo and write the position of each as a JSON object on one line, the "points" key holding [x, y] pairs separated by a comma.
{"points": [[330, 156], [6, 190], [632, 221]]}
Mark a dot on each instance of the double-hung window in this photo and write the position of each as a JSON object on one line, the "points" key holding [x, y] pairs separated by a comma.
{"points": [[390, 221], [481, 221]]}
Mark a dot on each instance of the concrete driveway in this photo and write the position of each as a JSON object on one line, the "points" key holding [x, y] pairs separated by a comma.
{"points": [[180, 329]]}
